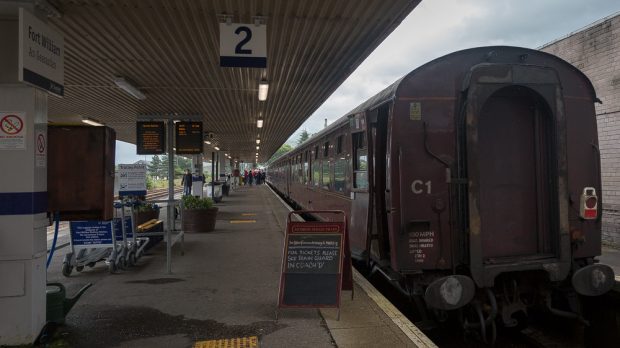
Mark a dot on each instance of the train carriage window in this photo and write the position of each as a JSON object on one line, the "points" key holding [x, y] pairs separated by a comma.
{"points": [[360, 161], [306, 168], [326, 174], [339, 144], [316, 168], [300, 173]]}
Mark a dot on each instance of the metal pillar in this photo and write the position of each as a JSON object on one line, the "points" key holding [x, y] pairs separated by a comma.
{"points": [[213, 175], [23, 196], [170, 209]]}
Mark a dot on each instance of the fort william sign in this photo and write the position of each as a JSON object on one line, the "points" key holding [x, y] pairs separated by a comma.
{"points": [[41, 54]]}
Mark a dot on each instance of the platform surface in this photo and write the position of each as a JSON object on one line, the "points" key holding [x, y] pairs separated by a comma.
{"points": [[222, 291]]}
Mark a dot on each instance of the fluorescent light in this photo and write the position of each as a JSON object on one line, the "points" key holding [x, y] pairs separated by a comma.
{"points": [[92, 122], [263, 88], [207, 142], [126, 86], [216, 148], [259, 123], [258, 148], [257, 141], [257, 154]]}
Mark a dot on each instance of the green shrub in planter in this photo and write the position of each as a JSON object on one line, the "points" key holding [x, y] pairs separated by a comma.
{"points": [[199, 214], [197, 203]]}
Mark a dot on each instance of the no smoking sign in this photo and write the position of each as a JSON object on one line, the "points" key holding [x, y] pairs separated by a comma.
{"points": [[11, 124], [12, 130]]}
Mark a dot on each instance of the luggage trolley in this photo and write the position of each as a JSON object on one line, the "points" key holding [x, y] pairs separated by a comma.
{"points": [[132, 246], [91, 242]]}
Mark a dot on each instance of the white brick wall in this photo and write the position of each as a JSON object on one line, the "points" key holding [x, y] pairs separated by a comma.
{"points": [[596, 51]]}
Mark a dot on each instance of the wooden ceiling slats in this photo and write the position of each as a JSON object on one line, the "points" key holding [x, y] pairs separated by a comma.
{"points": [[170, 50]]}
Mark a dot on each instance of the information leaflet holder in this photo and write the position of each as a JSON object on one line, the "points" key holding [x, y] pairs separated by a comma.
{"points": [[316, 262]]}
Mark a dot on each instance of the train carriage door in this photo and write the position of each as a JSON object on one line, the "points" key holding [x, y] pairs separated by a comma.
{"points": [[378, 149], [516, 164], [358, 229]]}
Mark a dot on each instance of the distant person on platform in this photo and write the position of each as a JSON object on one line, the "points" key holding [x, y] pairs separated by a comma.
{"points": [[186, 181]]}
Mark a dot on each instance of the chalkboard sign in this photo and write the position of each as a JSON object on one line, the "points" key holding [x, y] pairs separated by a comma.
{"points": [[312, 264], [150, 138], [312, 272], [90, 234], [188, 138]]}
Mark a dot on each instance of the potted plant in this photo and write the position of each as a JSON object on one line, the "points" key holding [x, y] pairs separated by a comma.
{"points": [[198, 214], [144, 212]]}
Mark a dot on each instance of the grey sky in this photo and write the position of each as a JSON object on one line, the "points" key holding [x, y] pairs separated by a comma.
{"points": [[438, 27]]}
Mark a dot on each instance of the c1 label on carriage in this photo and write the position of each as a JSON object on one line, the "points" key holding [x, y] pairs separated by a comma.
{"points": [[419, 187]]}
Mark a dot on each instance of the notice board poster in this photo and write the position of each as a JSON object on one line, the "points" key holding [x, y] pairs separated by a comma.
{"points": [[150, 138], [132, 179], [188, 138], [91, 234]]}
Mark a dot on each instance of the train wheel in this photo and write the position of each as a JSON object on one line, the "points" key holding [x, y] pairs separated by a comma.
{"points": [[79, 268]]}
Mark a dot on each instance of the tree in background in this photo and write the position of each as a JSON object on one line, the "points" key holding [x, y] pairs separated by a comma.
{"points": [[281, 151], [303, 137], [154, 167]]}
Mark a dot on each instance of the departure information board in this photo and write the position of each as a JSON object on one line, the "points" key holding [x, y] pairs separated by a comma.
{"points": [[150, 138], [188, 138]]}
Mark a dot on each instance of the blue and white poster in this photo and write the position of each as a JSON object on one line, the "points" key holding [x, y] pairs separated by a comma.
{"points": [[91, 234], [118, 229]]}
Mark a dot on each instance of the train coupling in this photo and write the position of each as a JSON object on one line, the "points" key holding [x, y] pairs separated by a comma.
{"points": [[451, 292], [593, 280]]}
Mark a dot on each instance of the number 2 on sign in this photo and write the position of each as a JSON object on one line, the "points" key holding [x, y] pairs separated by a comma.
{"points": [[418, 187], [248, 36]]}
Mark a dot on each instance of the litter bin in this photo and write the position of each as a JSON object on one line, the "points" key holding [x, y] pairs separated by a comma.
{"points": [[216, 193]]}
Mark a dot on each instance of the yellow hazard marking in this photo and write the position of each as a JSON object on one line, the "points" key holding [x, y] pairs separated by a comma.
{"points": [[242, 221], [248, 214], [242, 342]]}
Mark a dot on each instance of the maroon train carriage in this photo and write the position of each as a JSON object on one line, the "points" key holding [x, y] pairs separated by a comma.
{"points": [[473, 179]]}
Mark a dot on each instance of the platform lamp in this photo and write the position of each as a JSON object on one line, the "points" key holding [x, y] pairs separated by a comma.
{"points": [[129, 88], [263, 89], [92, 122]]}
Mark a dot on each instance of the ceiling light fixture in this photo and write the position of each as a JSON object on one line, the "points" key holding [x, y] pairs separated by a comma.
{"points": [[126, 86], [207, 142], [216, 148], [92, 122], [263, 89], [257, 141], [259, 123], [258, 148]]}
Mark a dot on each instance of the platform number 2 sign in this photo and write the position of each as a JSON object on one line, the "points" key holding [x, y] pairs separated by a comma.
{"points": [[243, 45]]}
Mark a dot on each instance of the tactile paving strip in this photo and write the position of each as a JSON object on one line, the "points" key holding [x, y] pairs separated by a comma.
{"points": [[241, 342]]}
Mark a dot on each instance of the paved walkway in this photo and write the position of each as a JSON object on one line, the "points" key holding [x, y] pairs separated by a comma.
{"points": [[224, 287]]}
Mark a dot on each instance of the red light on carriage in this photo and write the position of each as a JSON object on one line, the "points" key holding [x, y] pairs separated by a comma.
{"points": [[588, 207]]}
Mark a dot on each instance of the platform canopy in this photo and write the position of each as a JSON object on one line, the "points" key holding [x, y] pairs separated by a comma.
{"points": [[170, 51]]}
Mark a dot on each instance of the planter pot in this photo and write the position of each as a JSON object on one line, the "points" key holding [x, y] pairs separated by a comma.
{"points": [[144, 216], [202, 220]]}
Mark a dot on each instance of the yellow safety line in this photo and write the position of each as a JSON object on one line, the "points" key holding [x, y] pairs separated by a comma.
{"points": [[242, 221], [248, 214], [242, 342]]}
